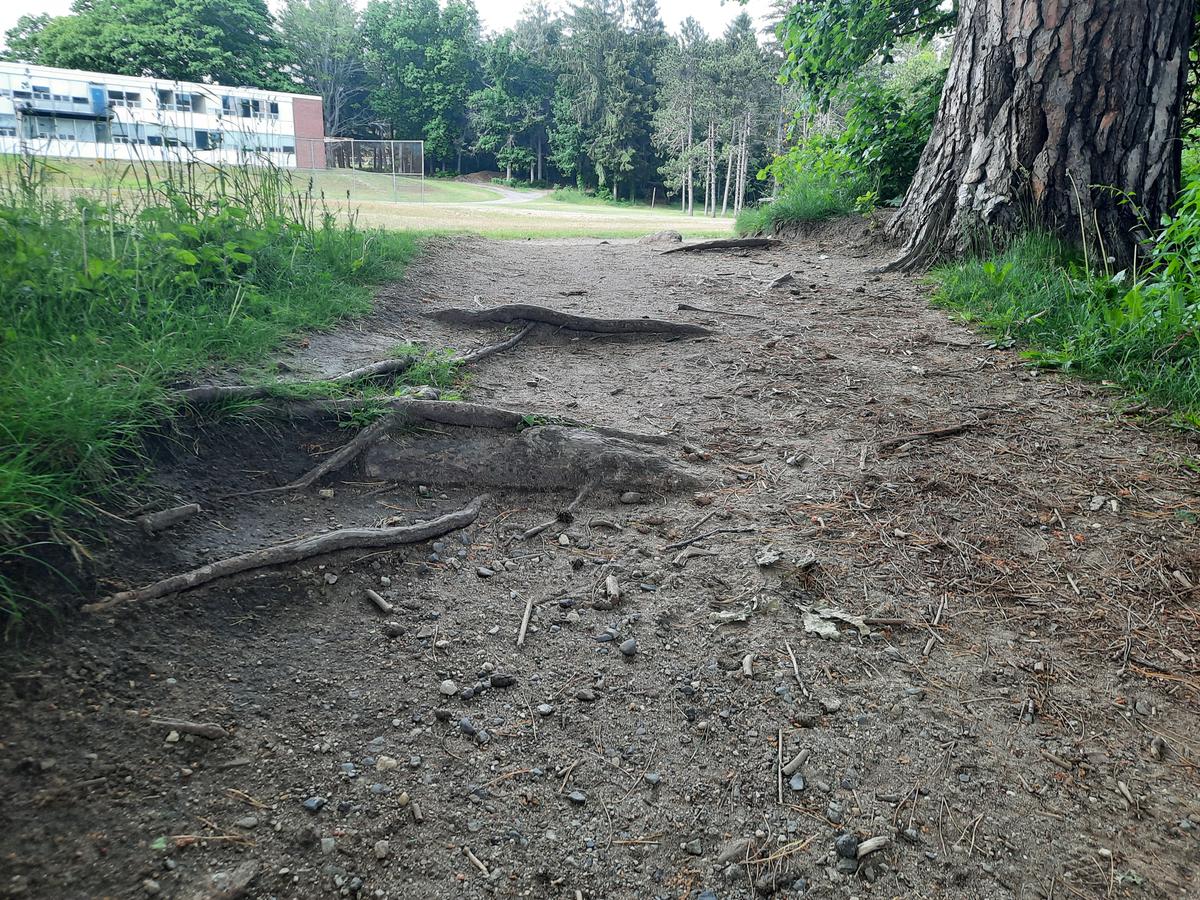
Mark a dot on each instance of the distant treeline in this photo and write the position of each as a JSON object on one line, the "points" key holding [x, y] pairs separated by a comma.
{"points": [[602, 97]]}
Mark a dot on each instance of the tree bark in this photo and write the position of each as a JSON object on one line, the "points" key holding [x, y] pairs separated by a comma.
{"points": [[1052, 115]]}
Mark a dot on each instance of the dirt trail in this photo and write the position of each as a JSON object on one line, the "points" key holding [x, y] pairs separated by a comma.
{"points": [[1015, 711]]}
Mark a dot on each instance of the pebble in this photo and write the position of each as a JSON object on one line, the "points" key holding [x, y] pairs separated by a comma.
{"points": [[587, 695], [151, 887], [846, 846], [564, 540], [386, 763], [798, 782], [393, 629], [330, 578], [545, 709], [652, 778], [734, 852], [629, 647], [247, 822], [499, 680], [381, 849], [328, 845], [314, 804], [484, 572], [467, 727], [831, 704], [448, 687], [847, 866], [631, 497], [694, 847], [577, 797]]}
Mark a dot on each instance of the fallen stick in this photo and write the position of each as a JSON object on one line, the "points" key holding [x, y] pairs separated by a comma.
{"points": [[724, 244], [931, 435], [719, 312], [294, 551], [525, 621], [678, 545], [523, 312], [484, 352], [152, 523], [209, 730], [476, 862], [566, 515], [383, 606]]}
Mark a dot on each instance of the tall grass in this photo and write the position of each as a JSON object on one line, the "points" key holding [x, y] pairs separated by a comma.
{"points": [[1140, 330], [109, 296], [805, 198]]}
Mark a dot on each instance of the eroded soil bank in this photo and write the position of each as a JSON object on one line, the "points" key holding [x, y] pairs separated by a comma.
{"points": [[986, 577]]}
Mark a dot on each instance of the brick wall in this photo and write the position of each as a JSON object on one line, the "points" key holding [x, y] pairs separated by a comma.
{"points": [[309, 121]]}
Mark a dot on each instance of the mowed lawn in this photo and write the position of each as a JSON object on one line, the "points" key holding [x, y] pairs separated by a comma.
{"points": [[433, 205]]}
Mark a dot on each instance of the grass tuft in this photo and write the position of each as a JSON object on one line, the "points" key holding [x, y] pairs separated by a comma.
{"points": [[1142, 333], [805, 199]]}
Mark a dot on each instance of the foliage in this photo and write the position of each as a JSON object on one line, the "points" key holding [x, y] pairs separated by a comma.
{"points": [[423, 61], [827, 42], [106, 304], [1141, 332], [325, 40], [806, 198], [227, 41]]}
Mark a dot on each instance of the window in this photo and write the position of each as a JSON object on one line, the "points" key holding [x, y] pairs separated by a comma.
{"points": [[273, 110], [8, 126], [128, 99], [82, 101], [22, 95], [41, 92]]}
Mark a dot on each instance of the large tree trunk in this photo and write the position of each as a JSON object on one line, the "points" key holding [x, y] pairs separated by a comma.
{"points": [[1052, 113]]}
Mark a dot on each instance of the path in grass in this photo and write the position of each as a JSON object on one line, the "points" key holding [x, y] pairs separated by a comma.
{"points": [[962, 592]]}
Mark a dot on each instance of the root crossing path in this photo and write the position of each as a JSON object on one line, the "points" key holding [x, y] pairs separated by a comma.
{"points": [[921, 622]]}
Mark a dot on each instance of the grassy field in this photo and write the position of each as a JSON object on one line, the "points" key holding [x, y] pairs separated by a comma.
{"points": [[439, 206]]}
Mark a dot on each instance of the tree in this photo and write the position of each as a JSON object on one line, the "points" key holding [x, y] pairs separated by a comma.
{"points": [[1066, 121], [325, 39], [226, 41], [508, 107], [21, 40], [423, 59], [1059, 117]]}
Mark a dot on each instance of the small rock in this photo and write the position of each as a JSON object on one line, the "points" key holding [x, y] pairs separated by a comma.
{"points": [[631, 497], [734, 852], [798, 782], [314, 804], [846, 846], [577, 797], [467, 727], [247, 822], [386, 763], [564, 540], [393, 629], [500, 680], [173, 737], [328, 845], [448, 687], [629, 647], [545, 709], [151, 887], [382, 848], [652, 778], [830, 704], [484, 572], [847, 866], [330, 578], [694, 848], [587, 695]]}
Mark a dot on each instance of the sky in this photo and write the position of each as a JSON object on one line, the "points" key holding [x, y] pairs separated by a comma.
{"points": [[496, 14]]}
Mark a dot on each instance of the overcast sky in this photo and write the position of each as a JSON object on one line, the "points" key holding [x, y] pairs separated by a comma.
{"points": [[496, 14]]}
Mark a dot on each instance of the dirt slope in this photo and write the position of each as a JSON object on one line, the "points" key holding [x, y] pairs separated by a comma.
{"points": [[1039, 740]]}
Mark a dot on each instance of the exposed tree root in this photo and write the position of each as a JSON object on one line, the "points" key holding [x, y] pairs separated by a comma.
{"points": [[216, 393], [724, 244], [523, 312], [293, 551]]}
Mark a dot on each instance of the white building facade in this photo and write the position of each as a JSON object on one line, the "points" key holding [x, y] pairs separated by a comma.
{"points": [[93, 115]]}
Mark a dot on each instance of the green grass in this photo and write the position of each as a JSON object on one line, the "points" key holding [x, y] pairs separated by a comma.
{"points": [[1141, 333], [103, 306], [99, 176], [805, 199]]}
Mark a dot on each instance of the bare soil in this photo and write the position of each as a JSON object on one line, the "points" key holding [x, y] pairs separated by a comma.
{"points": [[1015, 712]]}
